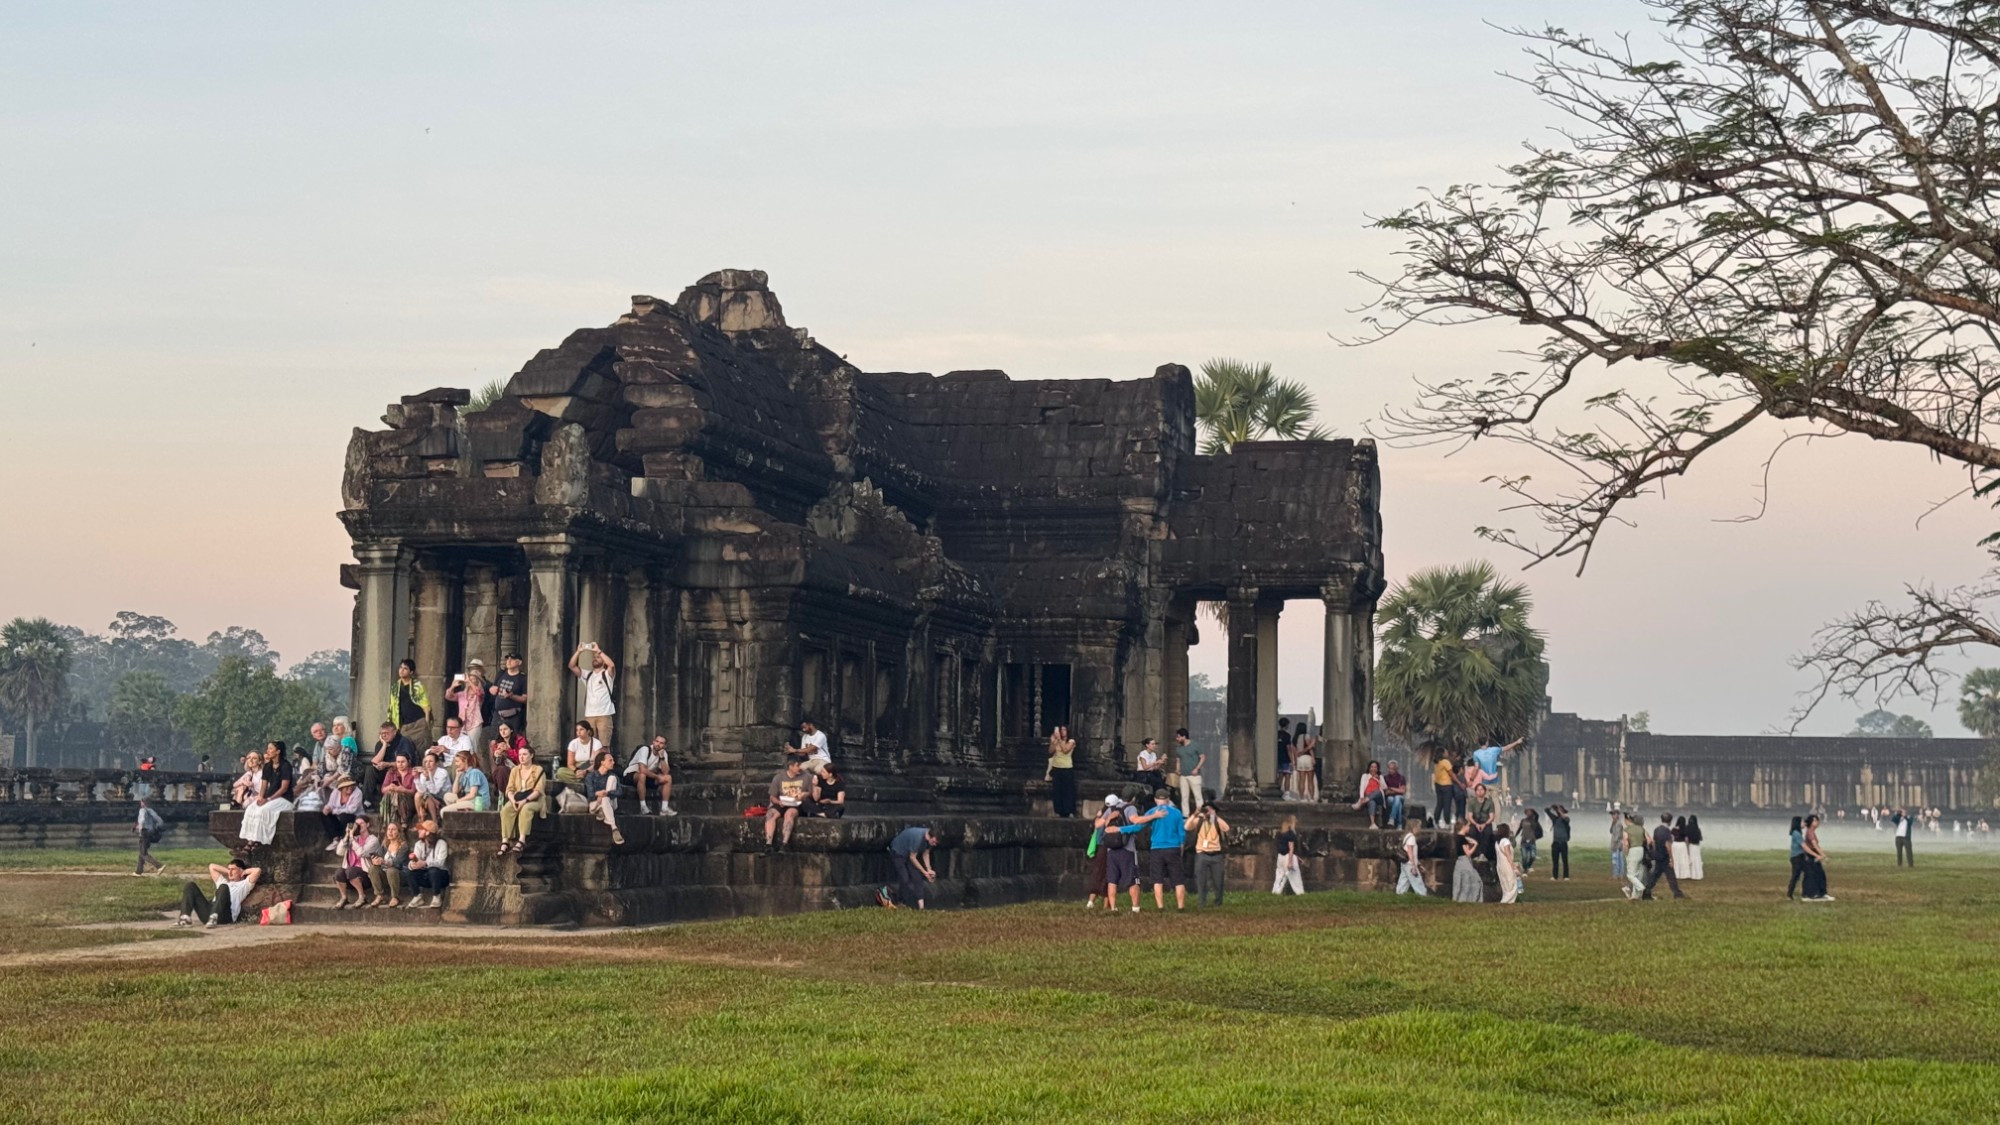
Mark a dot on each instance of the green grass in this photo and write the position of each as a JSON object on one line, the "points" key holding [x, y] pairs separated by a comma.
{"points": [[1732, 1006], [98, 859]]}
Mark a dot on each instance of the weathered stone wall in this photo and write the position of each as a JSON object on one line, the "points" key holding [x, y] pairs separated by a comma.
{"points": [[934, 569]]}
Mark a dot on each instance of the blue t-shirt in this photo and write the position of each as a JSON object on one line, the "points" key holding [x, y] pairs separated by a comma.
{"points": [[1489, 762], [472, 781], [1169, 828], [910, 841], [1798, 842]]}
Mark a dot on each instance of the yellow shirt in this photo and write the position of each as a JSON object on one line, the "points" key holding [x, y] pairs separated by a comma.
{"points": [[1442, 775], [1065, 756]]}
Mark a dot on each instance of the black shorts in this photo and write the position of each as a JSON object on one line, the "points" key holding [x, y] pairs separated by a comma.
{"points": [[1121, 868], [1163, 866]]}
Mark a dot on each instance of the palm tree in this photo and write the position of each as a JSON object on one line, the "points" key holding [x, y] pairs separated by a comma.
{"points": [[34, 671], [492, 392], [1979, 702], [1237, 401], [1460, 667]]}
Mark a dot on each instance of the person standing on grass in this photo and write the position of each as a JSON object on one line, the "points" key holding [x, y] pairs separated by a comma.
{"points": [[914, 873], [1288, 874], [1530, 836], [1680, 854], [1504, 867], [1798, 855], [1618, 846], [150, 828], [1466, 885], [1192, 759], [1558, 842], [1815, 863], [1411, 878], [1635, 854], [233, 882], [1163, 862], [1209, 873], [1121, 856], [1662, 858], [1694, 846], [1098, 874], [1904, 846]]}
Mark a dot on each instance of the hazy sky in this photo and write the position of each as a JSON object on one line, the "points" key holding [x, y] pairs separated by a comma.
{"points": [[231, 233]]}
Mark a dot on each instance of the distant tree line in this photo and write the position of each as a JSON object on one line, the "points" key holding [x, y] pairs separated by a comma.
{"points": [[139, 688]]}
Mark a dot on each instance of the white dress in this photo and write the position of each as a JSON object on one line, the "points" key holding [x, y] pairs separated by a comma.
{"points": [[1679, 850], [1503, 867], [260, 822]]}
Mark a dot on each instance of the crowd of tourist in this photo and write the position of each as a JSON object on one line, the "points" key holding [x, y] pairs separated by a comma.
{"points": [[383, 807]]}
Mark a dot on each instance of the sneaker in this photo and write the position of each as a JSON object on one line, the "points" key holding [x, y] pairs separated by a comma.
{"points": [[1135, 910], [882, 898], [184, 920], [668, 810], [210, 924], [617, 837], [436, 902]]}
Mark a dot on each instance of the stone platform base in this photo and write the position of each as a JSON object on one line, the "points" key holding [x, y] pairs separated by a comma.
{"points": [[702, 867]]}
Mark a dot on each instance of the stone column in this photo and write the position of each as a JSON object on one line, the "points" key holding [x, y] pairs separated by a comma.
{"points": [[1349, 682], [1240, 757], [1174, 679], [1267, 693], [436, 597], [482, 618], [381, 634], [638, 663], [546, 637]]}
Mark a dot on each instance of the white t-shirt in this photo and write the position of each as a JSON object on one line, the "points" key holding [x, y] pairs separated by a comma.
{"points": [[814, 745], [597, 694], [1409, 846], [462, 741], [239, 892], [1148, 760], [581, 753], [644, 759]]}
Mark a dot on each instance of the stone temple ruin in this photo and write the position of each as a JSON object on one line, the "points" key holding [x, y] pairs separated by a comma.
{"points": [[935, 569]]}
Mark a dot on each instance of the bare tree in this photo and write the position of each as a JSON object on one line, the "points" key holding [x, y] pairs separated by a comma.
{"points": [[1785, 218]]}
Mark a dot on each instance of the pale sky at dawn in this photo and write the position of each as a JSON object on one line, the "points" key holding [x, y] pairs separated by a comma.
{"points": [[229, 233]]}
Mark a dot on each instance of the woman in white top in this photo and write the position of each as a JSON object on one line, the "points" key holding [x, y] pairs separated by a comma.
{"points": [[599, 678], [583, 750], [1503, 863]]}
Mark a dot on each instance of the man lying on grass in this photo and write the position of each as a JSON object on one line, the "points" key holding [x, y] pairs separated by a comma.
{"points": [[232, 888]]}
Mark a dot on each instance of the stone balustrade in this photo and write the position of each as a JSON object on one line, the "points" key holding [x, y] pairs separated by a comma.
{"points": [[110, 787]]}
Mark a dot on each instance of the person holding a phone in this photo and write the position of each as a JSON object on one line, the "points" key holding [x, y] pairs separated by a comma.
{"points": [[598, 672], [1062, 771], [469, 691]]}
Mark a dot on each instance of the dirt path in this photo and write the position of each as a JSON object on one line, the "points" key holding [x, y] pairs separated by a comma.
{"points": [[243, 935]]}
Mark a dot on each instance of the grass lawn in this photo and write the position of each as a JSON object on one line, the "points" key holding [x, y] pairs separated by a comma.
{"points": [[1732, 1006]]}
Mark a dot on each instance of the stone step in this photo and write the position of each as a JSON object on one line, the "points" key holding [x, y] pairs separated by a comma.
{"points": [[325, 914]]}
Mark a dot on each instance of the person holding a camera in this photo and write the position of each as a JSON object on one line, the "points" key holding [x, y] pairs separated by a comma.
{"points": [[599, 673]]}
